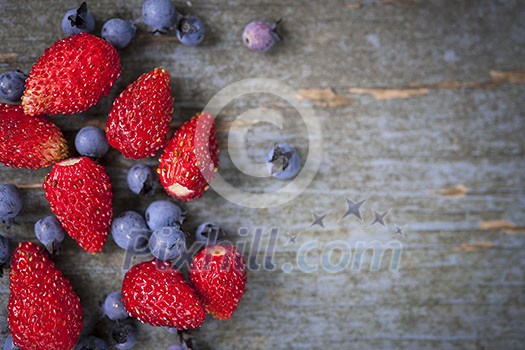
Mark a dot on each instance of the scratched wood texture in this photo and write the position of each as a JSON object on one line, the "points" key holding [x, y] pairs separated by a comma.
{"points": [[422, 106]]}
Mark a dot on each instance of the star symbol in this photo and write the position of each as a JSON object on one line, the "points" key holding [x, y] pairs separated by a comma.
{"points": [[291, 238], [353, 208], [318, 219], [399, 231], [379, 218]]}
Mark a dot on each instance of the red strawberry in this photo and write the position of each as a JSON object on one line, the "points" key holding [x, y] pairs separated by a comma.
{"points": [[156, 293], [43, 311], [190, 159], [140, 117], [218, 273], [71, 76], [79, 193], [29, 142]]}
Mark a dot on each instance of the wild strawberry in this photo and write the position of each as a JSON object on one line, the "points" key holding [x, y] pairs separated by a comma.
{"points": [[29, 142], [140, 117], [218, 273], [190, 159], [71, 76], [43, 310], [79, 193], [156, 293]]}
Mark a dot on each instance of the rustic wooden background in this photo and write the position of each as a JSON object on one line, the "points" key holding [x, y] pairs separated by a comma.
{"points": [[423, 113]]}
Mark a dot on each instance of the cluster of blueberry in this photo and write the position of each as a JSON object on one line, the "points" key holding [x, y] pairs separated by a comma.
{"points": [[161, 228], [159, 231], [161, 17]]}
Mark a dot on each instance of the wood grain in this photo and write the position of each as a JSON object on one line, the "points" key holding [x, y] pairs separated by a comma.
{"points": [[422, 111]]}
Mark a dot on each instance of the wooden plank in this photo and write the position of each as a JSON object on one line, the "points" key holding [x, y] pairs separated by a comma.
{"points": [[421, 105]]}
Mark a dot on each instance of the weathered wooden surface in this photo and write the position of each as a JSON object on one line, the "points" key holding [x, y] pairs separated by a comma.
{"points": [[422, 109]]}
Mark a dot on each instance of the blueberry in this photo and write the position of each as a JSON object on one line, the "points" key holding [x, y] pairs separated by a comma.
{"points": [[91, 343], [283, 162], [167, 243], [209, 232], [260, 35], [114, 308], [5, 251], [130, 231], [190, 30], [159, 14], [118, 32], [142, 180], [10, 203], [124, 335], [79, 20], [12, 85], [50, 233], [164, 213], [9, 345], [91, 141]]}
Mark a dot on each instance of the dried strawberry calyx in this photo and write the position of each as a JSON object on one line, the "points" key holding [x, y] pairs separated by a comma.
{"points": [[185, 27], [79, 19], [280, 160], [275, 28]]}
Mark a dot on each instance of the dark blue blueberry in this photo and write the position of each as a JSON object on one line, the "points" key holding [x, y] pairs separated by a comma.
{"points": [[91, 343], [142, 180], [209, 233], [160, 15], [50, 233], [5, 251], [190, 30], [79, 20], [8, 345], [5, 254], [118, 32], [130, 232], [164, 213], [91, 141], [260, 36], [113, 307], [10, 203], [12, 85], [167, 243], [124, 336], [283, 162]]}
